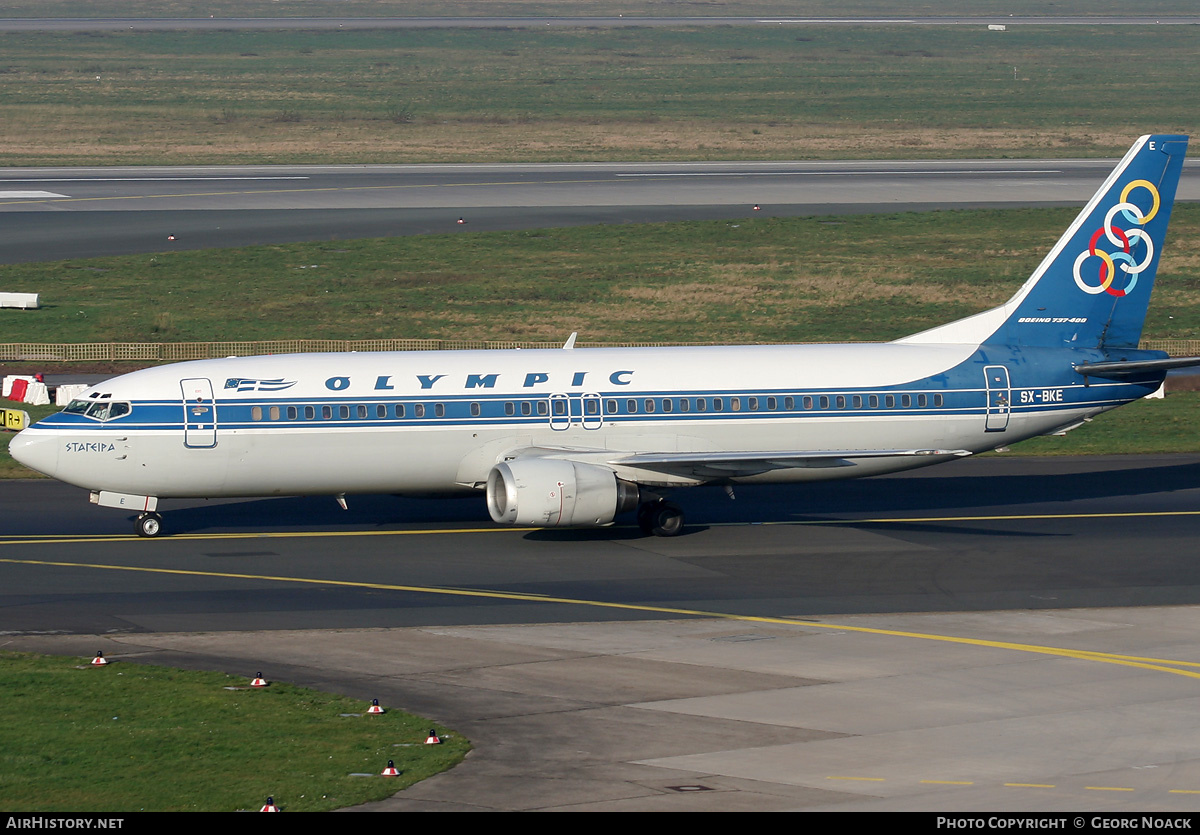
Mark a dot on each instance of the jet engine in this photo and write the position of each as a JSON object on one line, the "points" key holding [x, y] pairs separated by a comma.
{"points": [[549, 492]]}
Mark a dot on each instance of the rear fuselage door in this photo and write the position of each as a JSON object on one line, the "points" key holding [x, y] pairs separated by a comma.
{"points": [[199, 413], [999, 396]]}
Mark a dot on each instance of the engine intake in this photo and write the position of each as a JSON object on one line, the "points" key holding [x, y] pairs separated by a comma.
{"points": [[551, 492]]}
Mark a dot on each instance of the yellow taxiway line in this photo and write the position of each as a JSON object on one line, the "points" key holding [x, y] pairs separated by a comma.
{"points": [[1190, 669]]}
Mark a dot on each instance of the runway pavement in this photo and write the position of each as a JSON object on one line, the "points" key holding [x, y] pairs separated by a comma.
{"points": [[83, 212], [1000, 633]]}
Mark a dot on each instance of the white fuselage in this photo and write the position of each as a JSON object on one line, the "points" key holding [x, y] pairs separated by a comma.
{"points": [[437, 422]]}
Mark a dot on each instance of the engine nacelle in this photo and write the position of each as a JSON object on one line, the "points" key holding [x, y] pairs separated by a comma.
{"points": [[549, 492]]}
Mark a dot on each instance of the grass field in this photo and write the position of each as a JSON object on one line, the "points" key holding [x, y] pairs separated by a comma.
{"points": [[580, 8], [846, 278], [586, 94], [138, 738], [832, 279]]}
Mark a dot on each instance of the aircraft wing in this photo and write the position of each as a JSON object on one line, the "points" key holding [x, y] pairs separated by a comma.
{"points": [[709, 465]]}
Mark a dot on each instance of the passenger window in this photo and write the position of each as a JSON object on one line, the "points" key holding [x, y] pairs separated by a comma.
{"points": [[543, 408], [419, 410], [327, 412], [858, 401], [937, 401], [631, 406], [772, 404], [701, 404], [381, 411], [439, 409], [474, 410], [362, 411], [685, 404], [808, 402], [824, 401], [399, 410], [510, 409], [560, 407], [256, 413], [591, 407], [526, 408], [649, 406], [310, 412], [291, 413], [873, 401], [922, 400], [718, 404], [344, 412], [735, 404], [611, 405], [668, 404], [905, 401], [752, 404], [890, 401]]}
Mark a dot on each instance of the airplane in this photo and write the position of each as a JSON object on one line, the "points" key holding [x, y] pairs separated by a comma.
{"points": [[577, 437]]}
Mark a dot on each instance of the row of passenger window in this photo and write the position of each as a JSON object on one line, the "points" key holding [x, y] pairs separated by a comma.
{"points": [[360, 411], [772, 404], [612, 406]]}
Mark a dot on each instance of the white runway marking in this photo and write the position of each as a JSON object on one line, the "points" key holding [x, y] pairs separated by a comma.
{"points": [[146, 179], [5, 195]]}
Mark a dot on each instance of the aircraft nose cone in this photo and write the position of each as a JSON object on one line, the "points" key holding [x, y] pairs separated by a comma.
{"points": [[36, 451]]}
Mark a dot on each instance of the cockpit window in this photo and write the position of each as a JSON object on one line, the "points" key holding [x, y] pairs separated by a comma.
{"points": [[98, 409]]}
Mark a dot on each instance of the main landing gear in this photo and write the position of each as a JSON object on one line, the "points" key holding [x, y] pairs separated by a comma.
{"points": [[660, 518], [148, 524]]}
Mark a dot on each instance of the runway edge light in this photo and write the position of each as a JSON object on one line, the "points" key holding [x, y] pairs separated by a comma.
{"points": [[99, 660], [258, 681]]}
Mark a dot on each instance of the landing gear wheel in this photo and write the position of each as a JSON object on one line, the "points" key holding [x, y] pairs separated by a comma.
{"points": [[661, 518], [148, 524]]}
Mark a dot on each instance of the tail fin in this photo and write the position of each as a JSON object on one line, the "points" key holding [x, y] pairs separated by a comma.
{"points": [[1093, 289]]}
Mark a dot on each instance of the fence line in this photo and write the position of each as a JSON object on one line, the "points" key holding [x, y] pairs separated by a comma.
{"points": [[174, 351]]}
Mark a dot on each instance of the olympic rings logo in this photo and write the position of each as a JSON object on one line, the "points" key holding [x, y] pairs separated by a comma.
{"points": [[1123, 239]]}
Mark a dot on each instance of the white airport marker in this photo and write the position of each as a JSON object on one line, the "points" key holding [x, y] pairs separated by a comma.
{"points": [[18, 195]]}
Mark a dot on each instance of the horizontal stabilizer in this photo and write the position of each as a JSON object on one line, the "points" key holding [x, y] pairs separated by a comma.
{"points": [[1130, 368]]}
